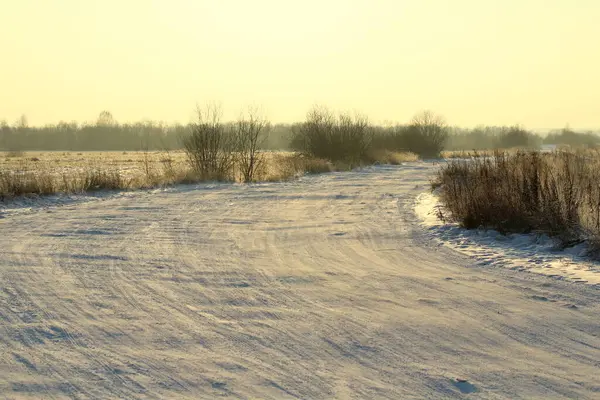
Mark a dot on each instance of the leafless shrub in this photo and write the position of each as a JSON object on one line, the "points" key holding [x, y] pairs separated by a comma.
{"points": [[336, 138], [210, 146], [249, 132], [553, 193], [425, 135]]}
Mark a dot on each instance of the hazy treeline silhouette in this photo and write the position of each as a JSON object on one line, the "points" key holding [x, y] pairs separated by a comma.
{"points": [[502, 137], [106, 134], [113, 137]]}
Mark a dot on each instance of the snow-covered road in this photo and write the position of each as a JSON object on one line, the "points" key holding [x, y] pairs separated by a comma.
{"points": [[326, 287]]}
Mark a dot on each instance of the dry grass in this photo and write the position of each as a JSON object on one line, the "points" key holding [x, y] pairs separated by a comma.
{"points": [[79, 172], [452, 154], [44, 173], [128, 162], [382, 156], [287, 165], [284, 166], [552, 193]]}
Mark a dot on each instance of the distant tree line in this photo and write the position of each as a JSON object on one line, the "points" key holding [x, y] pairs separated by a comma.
{"points": [[106, 134], [502, 137]]}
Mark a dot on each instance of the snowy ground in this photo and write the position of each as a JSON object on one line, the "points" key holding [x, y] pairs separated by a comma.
{"points": [[534, 253], [327, 287]]}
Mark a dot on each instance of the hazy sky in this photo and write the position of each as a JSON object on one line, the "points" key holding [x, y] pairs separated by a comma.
{"points": [[534, 62]]}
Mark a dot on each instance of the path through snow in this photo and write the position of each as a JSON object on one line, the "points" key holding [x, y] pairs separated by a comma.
{"points": [[327, 287]]}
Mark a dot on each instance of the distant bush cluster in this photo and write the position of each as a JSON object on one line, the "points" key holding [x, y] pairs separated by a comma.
{"points": [[554, 193], [353, 140], [492, 137], [333, 137], [426, 136]]}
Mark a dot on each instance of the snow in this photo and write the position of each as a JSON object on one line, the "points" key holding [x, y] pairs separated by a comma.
{"points": [[325, 287], [531, 252]]}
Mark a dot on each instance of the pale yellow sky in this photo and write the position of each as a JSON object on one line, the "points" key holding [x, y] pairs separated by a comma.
{"points": [[533, 62]]}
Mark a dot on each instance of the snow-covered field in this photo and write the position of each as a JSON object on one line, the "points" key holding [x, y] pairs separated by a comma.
{"points": [[332, 286]]}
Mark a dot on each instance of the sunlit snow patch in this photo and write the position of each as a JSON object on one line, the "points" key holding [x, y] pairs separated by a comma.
{"points": [[531, 252]]}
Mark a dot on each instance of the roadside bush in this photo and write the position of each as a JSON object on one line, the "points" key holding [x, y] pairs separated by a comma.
{"points": [[210, 146], [553, 193], [226, 152], [249, 133], [342, 138], [426, 135]]}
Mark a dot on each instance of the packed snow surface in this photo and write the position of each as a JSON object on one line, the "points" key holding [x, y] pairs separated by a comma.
{"points": [[331, 286]]}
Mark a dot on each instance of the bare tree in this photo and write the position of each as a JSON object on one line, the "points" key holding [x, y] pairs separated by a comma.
{"points": [[250, 131], [105, 118], [355, 136], [209, 147]]}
